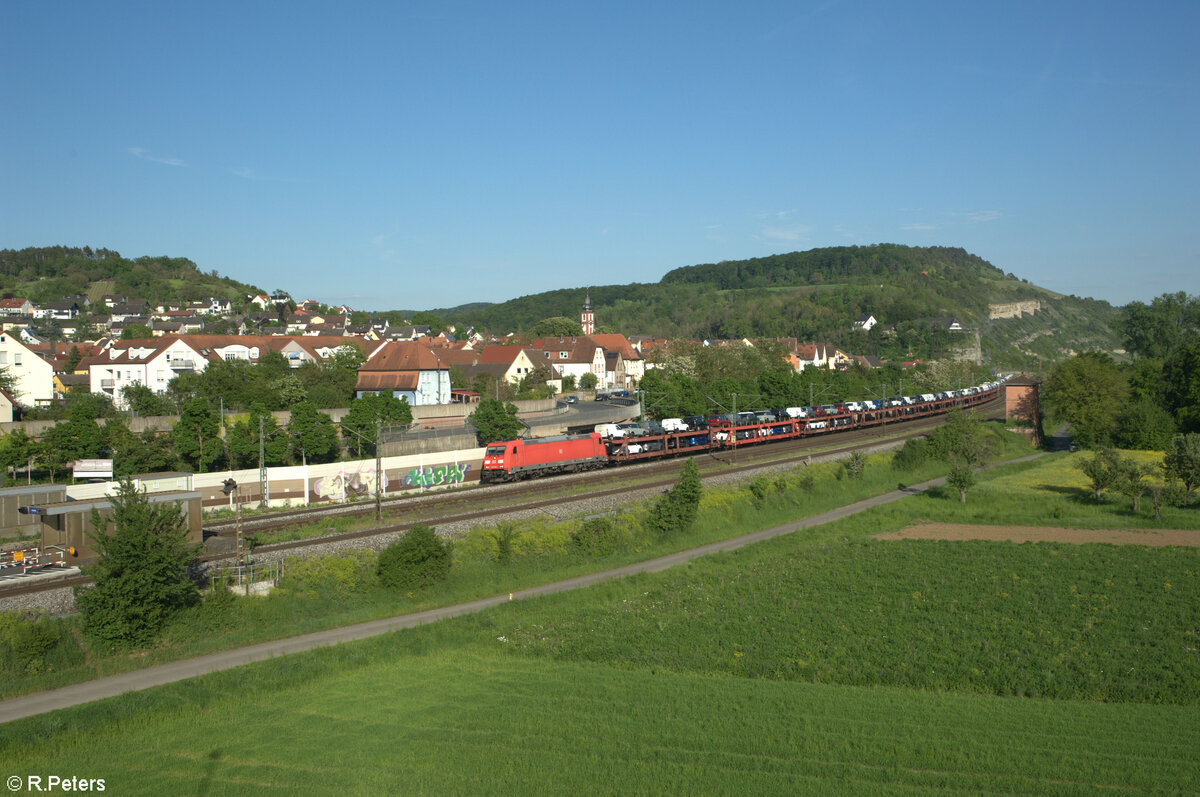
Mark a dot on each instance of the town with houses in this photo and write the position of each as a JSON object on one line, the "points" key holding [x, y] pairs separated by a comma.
{"points": [[406, 361]]}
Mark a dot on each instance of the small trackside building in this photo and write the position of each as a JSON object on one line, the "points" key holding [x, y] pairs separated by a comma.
{"points": [[68, 524]]}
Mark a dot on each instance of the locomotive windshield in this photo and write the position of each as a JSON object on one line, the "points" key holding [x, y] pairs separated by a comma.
{"points": [[495, 451]]}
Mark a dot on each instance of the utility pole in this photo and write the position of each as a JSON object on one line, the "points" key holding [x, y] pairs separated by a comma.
{"points": [[378, 470], [262, 463], [733, 432]]}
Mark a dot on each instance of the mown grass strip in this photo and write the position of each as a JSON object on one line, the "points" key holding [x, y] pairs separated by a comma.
{"points": [[456, 721]]}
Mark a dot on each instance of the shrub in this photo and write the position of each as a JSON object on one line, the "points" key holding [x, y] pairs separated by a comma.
{"points": [[911, 456], [674, 511], [30, 644], [601, 536], [329, 575], [418, 559], [505, 533], [760, 487], [856, 465]]}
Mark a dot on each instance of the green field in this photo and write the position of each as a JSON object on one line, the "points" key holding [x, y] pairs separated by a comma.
{"points": [[821, 662], [316, 598], [393, 719]]}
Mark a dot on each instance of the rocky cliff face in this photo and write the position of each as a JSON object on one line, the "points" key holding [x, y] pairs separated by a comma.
{"points": [[1013, 309]]}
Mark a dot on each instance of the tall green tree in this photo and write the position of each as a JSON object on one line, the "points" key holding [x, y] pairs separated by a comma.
{"points": [[496, 420], [1181, 386], [195, 434], [73, 358], [964, 442], [1157, 330], [144, 402], [313, 433], [359, 424], [1103, 469], [243, 439], [1144, 425], [1182, 461], [79, 437], [16, 448], [1131, 479], [137, 332], [142, 576], [555, 327], [1089, 392]]}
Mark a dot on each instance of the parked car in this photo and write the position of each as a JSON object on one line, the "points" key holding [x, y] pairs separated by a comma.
{"points": [[652, 427]]}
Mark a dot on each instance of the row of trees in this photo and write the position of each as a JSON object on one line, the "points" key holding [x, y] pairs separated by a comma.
{"points": [[693, 380], [1171, 481], [1144, 403], [235, 385], [196, 442]]}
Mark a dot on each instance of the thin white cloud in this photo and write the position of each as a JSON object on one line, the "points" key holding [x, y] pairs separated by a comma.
{"points": [[794, 232], [918, 226], [975, 216], [145, 154]]}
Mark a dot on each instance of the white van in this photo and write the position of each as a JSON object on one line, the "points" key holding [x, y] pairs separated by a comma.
{"points": [[609, 430], [674, 425]]}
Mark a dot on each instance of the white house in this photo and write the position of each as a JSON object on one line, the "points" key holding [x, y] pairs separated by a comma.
{"points": [[153, 363], [33, 376], [405, 369], [574, 357]]}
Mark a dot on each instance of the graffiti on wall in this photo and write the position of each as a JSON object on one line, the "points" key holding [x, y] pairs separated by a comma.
{"points": [[439, 474], [348, 484]]}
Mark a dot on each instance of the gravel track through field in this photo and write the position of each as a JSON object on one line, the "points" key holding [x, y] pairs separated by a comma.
{"points": [[962, 531]]}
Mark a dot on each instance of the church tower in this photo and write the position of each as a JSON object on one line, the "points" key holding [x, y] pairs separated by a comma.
{"points": [[587, 319]]}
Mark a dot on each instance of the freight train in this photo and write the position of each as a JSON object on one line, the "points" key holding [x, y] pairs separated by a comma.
{"points": [[617, 444]]}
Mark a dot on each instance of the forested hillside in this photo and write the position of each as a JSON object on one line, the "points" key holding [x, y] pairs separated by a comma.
{"points": [[816, 295], [44, 274]]}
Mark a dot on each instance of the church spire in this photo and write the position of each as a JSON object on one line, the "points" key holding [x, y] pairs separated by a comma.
{"points": [[587, 319]]}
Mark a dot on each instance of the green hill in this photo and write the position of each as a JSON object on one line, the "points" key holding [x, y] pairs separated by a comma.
{"points": [[45, 274], [816, 295]]}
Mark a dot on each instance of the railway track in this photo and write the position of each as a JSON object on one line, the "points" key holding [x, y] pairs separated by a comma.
{"points": [[449, 507], [506, 492]]}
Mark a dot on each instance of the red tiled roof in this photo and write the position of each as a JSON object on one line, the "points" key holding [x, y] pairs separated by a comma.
{"points": [[403, 355], [382, 380], [618, 343]]}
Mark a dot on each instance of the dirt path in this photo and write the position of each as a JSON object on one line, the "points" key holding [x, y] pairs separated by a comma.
{"points": [[955, 531]]}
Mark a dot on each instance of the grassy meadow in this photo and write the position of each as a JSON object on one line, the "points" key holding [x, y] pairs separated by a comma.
{"points": [[825, 661], [330, 592]]}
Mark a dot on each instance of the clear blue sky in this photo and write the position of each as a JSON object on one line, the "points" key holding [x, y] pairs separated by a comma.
{"points": [[419, 155]]}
